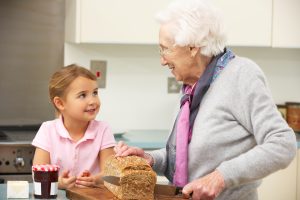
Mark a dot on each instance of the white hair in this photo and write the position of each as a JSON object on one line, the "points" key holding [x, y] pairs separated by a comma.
{"points": [[195, 23]]}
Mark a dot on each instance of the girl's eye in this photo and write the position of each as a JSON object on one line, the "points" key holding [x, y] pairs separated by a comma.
{"points": [[95, 93], [82, 96]]}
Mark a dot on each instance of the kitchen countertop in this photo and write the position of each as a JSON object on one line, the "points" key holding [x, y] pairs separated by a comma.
{"points": [[3, 193], [154, 139], [62, 193], [298, 139], [145, 139]]}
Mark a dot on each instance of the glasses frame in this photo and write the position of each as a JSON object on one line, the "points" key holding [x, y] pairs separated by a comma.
{"points": [[165, 51]]}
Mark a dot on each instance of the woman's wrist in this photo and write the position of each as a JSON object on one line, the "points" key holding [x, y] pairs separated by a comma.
{"points": [[217, 176]]}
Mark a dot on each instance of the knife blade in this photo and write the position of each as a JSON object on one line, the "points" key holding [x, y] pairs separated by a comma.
{"points": [[169, 190], [159, 188], [115, 180]]}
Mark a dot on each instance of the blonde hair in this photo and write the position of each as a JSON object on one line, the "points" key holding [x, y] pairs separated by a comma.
{"points": [[195, 23], [60, 80]]}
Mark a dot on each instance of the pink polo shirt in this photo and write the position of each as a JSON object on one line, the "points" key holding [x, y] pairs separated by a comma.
{"points": [[74, 156]]}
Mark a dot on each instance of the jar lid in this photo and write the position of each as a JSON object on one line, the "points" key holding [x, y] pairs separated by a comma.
{"points": [[45, 168], [293, 103], [281, 106]]}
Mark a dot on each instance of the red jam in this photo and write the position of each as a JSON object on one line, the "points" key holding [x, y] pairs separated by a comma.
{"points": [[45, 180]]}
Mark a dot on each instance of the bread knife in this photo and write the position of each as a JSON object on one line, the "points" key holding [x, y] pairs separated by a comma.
{"points": [[159, 188]]}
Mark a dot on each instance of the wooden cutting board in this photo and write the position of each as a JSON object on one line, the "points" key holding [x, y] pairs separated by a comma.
{"points": [[103, 194]]}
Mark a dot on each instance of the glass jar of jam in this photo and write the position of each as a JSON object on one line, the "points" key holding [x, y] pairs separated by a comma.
{"points": [[45, 181]]}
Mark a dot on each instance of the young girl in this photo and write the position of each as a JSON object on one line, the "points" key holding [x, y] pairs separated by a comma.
{"points": [[75, 140]]}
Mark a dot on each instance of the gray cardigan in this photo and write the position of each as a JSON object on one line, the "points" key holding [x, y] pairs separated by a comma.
{"points": [[238, 131]]}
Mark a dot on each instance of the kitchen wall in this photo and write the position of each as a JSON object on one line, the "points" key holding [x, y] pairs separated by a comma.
{"points": [[136, 95], [31, 49]]}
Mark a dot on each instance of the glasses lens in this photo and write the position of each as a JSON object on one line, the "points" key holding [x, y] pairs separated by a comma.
{"points": [[160, 51], [164, 51]]}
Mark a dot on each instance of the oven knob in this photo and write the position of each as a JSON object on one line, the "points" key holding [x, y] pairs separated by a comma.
{"points": [[19, 162]]}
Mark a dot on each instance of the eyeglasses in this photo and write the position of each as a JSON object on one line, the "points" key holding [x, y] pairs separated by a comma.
{"points": [[165, 51]]}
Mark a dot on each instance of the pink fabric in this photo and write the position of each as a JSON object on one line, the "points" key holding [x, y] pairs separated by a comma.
{"points": [[182, 140], [74, 156]]}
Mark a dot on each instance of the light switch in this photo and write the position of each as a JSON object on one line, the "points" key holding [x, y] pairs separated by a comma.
{"points": [[98, 67], [173, 85]]}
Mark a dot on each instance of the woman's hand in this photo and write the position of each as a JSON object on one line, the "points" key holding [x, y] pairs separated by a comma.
{"points": [[65, 181], [207, 187], [86, 180], [122, 149]]}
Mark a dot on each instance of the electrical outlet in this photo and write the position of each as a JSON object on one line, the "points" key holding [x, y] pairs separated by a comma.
{"points": [[173, 85], [98, 67]]}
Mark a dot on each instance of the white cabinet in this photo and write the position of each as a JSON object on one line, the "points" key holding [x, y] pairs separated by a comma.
{"points": [[132, 21], [114, 21], [281, 185], [286, 24], [248, 22]]}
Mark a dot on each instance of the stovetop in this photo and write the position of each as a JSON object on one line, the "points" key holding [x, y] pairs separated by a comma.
{"points": [[18, 133], [16, 151], [3, 136], [17, 136]]}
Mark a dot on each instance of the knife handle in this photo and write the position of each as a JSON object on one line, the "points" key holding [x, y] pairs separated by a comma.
{"points": [[179, 191]]}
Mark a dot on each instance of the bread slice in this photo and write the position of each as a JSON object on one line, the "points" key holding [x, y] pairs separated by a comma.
{"points": [[137, 179]]}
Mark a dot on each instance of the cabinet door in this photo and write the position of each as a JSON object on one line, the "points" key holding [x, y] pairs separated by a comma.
{"points": [[248, 22], [280, 185], [119, 21], [286, 25], [132, 21]]}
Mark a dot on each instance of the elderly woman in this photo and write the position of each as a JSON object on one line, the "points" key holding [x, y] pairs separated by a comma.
{"points": [[228, 134]]}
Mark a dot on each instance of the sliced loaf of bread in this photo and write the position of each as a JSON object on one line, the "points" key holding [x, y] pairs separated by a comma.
{"points": [[137, 179]]}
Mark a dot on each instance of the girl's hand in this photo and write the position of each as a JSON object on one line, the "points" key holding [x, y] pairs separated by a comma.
{"points": [[122, 149], [86, 180], [65, 181], [207, 187], [85, 173]]}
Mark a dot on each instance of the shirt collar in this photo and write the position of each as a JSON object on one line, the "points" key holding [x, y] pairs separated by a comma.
{"points": [[63, 132]]}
